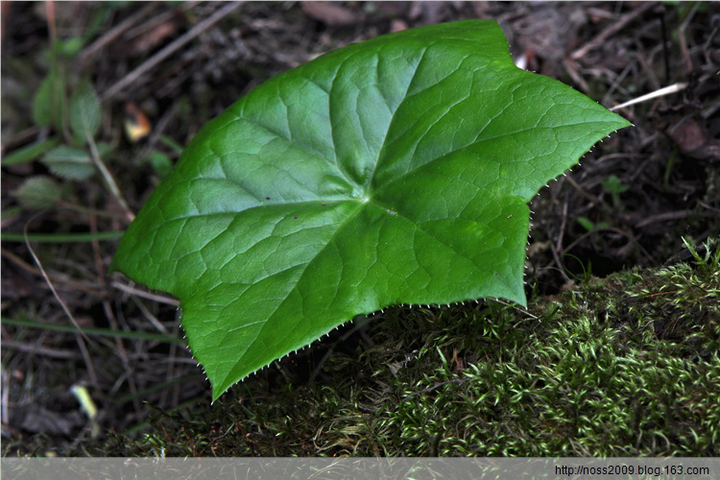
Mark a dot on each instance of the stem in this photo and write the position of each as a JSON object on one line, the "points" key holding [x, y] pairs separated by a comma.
{"points": [[60, 238], [103, 332], [107, 176]]}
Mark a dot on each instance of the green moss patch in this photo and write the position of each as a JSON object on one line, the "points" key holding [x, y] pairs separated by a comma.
{"points": [[622, 366]]}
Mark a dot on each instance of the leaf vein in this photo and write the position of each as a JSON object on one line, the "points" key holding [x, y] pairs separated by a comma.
{"points": [[477, 142]]}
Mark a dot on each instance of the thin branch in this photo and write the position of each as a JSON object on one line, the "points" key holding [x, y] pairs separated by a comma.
{"points": [[114, 33], [122, 353], [151, 62], [86, 287], [519, 309], [151, 318], [683, 40], [47, 278], [51, 21], [663, 217], [610, 31], [38, 350], [80, 337], [147, 295], [657, 93]]}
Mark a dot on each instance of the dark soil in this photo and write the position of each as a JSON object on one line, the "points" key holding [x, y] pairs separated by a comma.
{"points": [[627, 205]]}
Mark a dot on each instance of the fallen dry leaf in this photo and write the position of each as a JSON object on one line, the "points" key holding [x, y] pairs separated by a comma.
{"points": [[330, 13]]}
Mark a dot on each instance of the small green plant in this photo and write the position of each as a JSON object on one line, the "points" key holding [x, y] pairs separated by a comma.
{"points": [[590, 226], [586, 270], [395, 171], [613, 186], [68, 112], [67, 109]]}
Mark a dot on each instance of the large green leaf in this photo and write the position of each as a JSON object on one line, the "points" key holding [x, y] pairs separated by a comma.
{"points": [[393, 171]]}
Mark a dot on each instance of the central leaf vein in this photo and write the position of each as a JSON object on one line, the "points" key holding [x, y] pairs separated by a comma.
{"points": [[392, 118]]}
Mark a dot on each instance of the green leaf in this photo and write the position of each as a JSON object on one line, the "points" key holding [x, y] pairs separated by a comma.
{"points": [[38, 192], [161, 163], [68, 48], [586, 223], [170, 143], [41, 102], [613, 185], [70, 163], [48, 104], [395, 171], [84, 111], [29, 152], [104, 149]]}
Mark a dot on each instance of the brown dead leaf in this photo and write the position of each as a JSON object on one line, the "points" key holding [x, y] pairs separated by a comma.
{"points": [[693, 139], [398, 25], [6, 12], [692, 124], [430, 12], [150, 39], [330, 13]]}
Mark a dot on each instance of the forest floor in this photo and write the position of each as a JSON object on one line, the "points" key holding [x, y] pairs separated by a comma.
{"points": [[612, 286]]}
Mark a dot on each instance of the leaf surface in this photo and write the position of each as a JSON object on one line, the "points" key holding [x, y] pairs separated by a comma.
{"points": [[48, 104], [70, 163], [38, 192], [85, 114], [394, 171]]}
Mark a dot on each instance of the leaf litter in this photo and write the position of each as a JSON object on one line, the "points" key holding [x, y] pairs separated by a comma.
{"points": [[671, 194]]}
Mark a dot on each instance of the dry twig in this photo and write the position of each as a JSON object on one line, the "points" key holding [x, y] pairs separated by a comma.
{"points": [[81, 337], [610, 31], [143, 294], [131, 77], [113, 34], [657, 93]]}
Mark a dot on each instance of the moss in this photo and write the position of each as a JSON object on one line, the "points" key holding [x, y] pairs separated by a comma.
{"points": [[623, 366]]}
